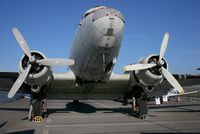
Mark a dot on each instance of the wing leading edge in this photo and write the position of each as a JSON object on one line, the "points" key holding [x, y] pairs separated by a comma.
{"points": [[7, 79]]}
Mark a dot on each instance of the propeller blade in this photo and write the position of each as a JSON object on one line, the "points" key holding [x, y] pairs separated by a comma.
{"points": [[56, 62], [19, 82], [163, 46], [21, 41], [138, 67], [172, 80]]}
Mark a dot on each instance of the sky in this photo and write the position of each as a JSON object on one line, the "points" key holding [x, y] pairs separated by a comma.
{"points": [[49, 26]]}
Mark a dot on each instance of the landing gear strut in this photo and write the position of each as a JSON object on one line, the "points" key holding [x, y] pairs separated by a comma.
{"points": [[139, 104], [35, 110], [38, 107], [140, 108]]}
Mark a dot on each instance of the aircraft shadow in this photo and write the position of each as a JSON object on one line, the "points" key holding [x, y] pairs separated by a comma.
{"points": [[31, 131], [14, 109], [3, 124], [82, 107]]}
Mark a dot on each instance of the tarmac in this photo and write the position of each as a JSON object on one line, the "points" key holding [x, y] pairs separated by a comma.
{"points": [[101, 117]]}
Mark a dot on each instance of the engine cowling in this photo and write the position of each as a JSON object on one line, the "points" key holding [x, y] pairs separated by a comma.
{"points": [[39, 75], [152, 76]]}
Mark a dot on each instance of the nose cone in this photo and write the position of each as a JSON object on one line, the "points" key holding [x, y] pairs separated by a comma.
{"points": [[110, 23], [107, 12]]}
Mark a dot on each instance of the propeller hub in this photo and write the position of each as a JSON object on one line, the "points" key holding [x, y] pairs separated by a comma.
{"points": [[32, 60], [160, 63]]}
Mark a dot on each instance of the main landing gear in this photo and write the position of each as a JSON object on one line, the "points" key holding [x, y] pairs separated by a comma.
{"points": [[38, 107], [140, 108], [139, 104], [35, 111]]}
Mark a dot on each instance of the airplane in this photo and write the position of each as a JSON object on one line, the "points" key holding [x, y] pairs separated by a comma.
{"points": [[93, 55]]}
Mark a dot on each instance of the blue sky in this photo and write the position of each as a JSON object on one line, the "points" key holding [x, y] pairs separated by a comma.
{"points": [[49, 27]]}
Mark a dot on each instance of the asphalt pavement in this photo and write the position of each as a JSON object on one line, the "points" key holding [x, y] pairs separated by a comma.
{"points": [[100, 117]]}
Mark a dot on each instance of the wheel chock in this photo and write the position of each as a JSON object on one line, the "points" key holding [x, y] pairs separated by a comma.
{"points": [[38, 119]]}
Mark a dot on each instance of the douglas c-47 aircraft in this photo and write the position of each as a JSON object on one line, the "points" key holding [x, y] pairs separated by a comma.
{"points": [[93, 55]]}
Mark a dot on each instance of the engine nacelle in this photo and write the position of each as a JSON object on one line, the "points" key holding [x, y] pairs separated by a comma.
{"points": [[39, 75], [151, 77]]}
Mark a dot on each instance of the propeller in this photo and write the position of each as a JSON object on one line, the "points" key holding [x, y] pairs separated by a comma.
{"points": [[160, 64], [56, 62], [32, 60], [21, 41], [138, 67], [172, 80], [19, 82], [164, 46]]}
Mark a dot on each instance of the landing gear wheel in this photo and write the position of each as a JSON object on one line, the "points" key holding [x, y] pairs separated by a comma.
{"points": [[37, 107], [141, 109], [37, 114], [76, 102], [35, 110]]}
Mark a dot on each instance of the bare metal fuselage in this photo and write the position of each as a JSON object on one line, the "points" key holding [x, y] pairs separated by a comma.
{"points": [[96, 44], [94, 50]]}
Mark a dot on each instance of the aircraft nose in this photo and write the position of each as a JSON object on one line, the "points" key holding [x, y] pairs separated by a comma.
{"points": [[107, 12], [108, 22]]}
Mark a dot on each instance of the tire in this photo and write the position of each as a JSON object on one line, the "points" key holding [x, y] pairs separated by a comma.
{"points": [[37, 108], [142, 109], [76, 102]]}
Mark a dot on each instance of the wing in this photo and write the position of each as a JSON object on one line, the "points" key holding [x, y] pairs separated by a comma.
{"points": [[63, 86], [7, 79], [187, 81]]}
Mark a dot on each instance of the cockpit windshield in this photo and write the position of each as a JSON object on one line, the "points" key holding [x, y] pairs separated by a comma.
{"points": [[93, 10]]}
